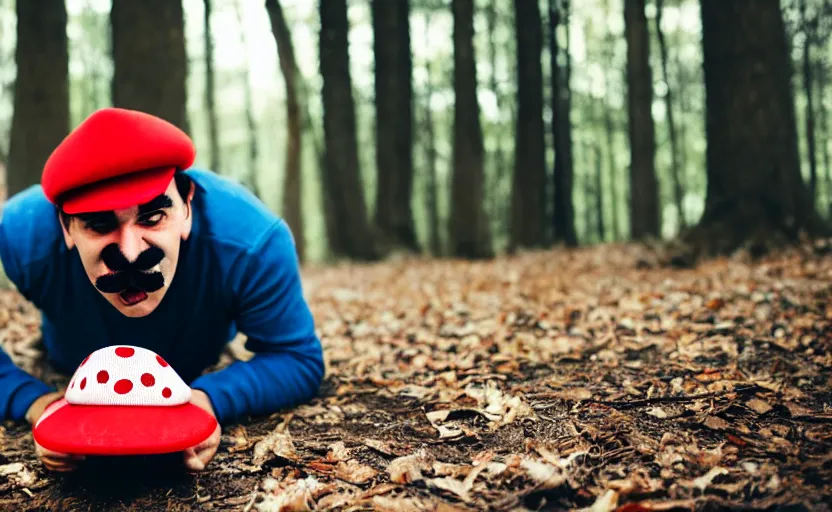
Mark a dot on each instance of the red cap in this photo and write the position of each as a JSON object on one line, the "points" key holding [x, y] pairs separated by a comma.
{"points": [[116, 158]]}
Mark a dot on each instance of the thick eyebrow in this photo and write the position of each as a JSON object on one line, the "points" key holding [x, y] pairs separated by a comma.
{"points": [[159, 202], [97, 217]]}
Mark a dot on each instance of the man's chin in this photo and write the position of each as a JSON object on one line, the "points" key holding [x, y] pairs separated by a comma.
{"points": [[135, 303]]}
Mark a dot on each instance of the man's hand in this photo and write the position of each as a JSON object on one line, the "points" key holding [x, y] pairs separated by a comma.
{"points": [[53, 461], [199, 456]]}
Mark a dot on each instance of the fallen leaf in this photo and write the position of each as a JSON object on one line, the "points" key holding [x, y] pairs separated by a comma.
{"points": [[606, 502], [389, 504], [705, 480], [337, 452], [292, 495], [547, 475], [657, 412], [759, 406], [716, 423], [354, 472], [452, 485], [405, 470], [276, 443]]}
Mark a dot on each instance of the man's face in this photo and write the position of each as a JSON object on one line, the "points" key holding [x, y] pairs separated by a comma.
{"points": [[130, 255]]}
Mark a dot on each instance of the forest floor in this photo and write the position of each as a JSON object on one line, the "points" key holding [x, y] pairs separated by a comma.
{"points": [[588, 379]]}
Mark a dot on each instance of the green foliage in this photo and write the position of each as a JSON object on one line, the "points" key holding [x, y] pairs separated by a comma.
{"points": [[598, 60]]}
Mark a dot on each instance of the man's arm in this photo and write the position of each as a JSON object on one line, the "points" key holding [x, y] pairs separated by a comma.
{"points": [[18, 389], [288, 367]]}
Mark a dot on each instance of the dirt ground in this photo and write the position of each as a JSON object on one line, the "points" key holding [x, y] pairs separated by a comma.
{"points": [[589, 379]]}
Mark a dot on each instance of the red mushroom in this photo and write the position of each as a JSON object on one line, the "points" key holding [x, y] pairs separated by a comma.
{"points": [[129, 402]]}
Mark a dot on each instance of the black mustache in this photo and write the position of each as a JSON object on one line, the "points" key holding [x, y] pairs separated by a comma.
{"points": [[127, 274], [117, 262], [120, 281]]}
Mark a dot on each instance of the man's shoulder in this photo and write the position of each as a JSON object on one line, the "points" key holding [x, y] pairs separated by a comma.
{"points": [[30, 239], [229, 214], [30, 224]]}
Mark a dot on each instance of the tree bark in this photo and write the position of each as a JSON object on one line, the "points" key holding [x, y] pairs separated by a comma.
{"points": [[756, 197], [496, 208], [470, 233], [431, 198], [644, 196], [599, 192], [210, 102], [40, 120], [609, 129], [253, 147], [587, 179], [394, 123], [823, 128], [810, 103], [149, 59], [292, 176], [432, 194], [563, 213], [678, 188], [528, 201], [352, 237], [682, 109]]}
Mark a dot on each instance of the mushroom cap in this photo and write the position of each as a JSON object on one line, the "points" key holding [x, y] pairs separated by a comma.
{"points": [[124, 400]]}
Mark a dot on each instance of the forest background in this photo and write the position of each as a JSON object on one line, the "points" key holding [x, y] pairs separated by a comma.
{"points": [[632, 112]]}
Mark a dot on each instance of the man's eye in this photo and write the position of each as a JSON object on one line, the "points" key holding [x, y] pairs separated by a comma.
{"points": [[152, 219]]}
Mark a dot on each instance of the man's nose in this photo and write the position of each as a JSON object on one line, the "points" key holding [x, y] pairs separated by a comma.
{"points": [[131, 243]]}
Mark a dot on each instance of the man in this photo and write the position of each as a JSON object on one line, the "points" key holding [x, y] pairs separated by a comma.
{"points": [[123, 243]]}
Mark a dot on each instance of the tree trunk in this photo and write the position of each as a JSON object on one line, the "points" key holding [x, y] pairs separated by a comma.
{"points": [[210, 103], [498, 160], [563, 213], [394, 123], [599, 191], [432, 201], [353, 237], [823, 128], [810, 109], [678, 190], [682, 109], [470, 234], [587, 178], [609, 130], [292, 211], [432, 194], [644, 195], [40, 120], [528, 201], [756, 197], [150, 76], [253, 149]]}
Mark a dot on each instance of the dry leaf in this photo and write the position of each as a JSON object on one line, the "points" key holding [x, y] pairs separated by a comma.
{"points": [[354, 472], [716, 423], [452, 485], [759, 406], [292, 495], [276, 443], [405, 470]]}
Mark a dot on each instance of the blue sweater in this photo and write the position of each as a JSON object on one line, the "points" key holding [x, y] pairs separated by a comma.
{"points": [[238, 271]]}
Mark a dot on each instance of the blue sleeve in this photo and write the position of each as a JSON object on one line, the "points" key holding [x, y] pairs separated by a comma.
{"points": [[18, 389], [288, 366]]}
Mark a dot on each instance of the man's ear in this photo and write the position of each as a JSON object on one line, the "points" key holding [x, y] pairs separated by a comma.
{"points": [[70, 243], [189, 217]]}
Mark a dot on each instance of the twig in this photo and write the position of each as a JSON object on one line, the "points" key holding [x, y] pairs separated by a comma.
{"points": [[251, 501], [661, 399]]}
